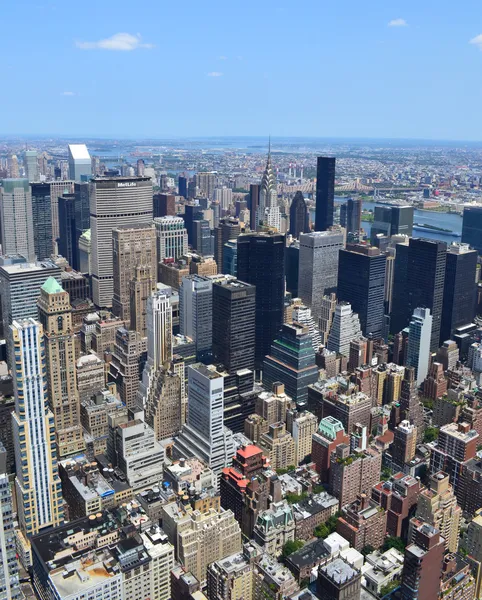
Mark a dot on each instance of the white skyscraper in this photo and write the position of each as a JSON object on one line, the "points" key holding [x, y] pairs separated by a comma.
{"points": [[204, 435], [344, 329], [39, 495], [419, 334], [31, 165], [224, 196], [80, 162], [195, 307], [17, 218], [302, 314], [171, 237]]}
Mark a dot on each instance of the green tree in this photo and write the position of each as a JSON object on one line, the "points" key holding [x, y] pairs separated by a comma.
{"points": [[386, 589], [394, 542], [290, 547], [321, 531], [430, 434], [367, 550]]}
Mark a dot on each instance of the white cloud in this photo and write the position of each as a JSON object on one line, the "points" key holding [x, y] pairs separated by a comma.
{"points": [[477, 41], [67, 94], [223, 58], [119, 41], [215, 74], [397, 23]]}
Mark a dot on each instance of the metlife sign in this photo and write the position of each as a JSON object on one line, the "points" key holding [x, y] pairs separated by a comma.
{"points": [[123, 184]]}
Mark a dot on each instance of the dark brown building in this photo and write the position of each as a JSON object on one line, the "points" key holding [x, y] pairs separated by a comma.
{"points": [[363, 523], [164, 205], [399, 498], [330, 434]]}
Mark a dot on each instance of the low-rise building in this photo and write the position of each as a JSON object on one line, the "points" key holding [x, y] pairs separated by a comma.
{"points": [[274, 527], [312, 511], [380, 569]]}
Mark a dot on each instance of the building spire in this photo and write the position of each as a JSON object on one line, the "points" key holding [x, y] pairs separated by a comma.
{"points": [[269, 144]]}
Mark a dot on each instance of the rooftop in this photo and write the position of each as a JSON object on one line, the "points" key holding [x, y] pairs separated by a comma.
{"points": [[339, 571], [51, 286], [79, 152]]}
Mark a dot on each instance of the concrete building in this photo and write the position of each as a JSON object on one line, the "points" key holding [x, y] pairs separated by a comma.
{"points": [[114, 202], [94, 416], [171, 237], [330, 434], [279, 446], [42, 220], [196, 318], [80, 163], [9, 579], [125, 366], [230, 578], [419, 335], [345, 327], [404, 444], [338, 580], [303, 427], [16, 210], [274, 527], [318, 270], [363, 523]]}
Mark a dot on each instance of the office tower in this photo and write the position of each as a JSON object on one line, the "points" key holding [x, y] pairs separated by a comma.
{"points": [[9, 580], [327, 312], [418, 355], [233, 325], [261, 262], [345, 327], [133, 247], [253, 204], [292, 268], [82, 217], [67, 233], [171, 238], [125, 366], [111, 205], [350, 215], [230, 257], [164, 205], [224, 196], [39, 496], [404, 445], [57, 189], [13, 167], [421, 285], [228, 229], [459, 289], [437, 506], [299, 217], [361, 282], [268, 212], [140, 167], [291, 361], [42, 219], [202, 241], [410, 407], [338, 580], [20, 287], [302, 315], [204, 434], [205, 182], [230, 578], [182, 186], [59, 341], [392, 220], [435, 385], [472, 227], [17, 218], [31, 165], [318, 267], [192, 212], [422, 564], [202, 265], [196, 313], [325, 193], [80, 164]]}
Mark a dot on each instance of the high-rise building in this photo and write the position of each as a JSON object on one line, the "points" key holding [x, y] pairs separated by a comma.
{"points": [[196, 313], [418, 355], [67, 230], [292, 268], [404, 444], [261, 262], [268, 209], [9, 580], [473, 546], [164, 205], [20, 287], [318, 267], [133, 246], [392, 220], [422, 564], [205, 182], [80, 164], [171, 237], [230, 257], [182, 186], [204, 434], [31, 165], [13, 166], [345, 327], [459, 289], [202, 240], [472, 227], [125, 367], [435, 385], [42, 219], [227, 229], [361, 282], [114, 202], [233, 328], [17, 218], [253, 205], [58, 189], [329, 435], [325, 192], [350, 215], [299, 216], [39, 496], [55, 315], [291, 361], [411, 408], [419, 282], [224, 196]]}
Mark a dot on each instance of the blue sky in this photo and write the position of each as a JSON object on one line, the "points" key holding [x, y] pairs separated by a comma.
{"points": [[344, 68]]}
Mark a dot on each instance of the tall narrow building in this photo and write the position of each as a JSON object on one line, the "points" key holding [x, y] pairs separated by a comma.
{"points": [[80, 163], [114, 202], [261, 262], [253, 205], [299, 216], [39, 496], [268, 212], [410, 407], [171, 237], [196, 313], [133, 247], [9, 580], [31, 165], [55, 315], [42, 219], [16, 218], [350, 215], [419, 332], [345, 327], [325, 192]]}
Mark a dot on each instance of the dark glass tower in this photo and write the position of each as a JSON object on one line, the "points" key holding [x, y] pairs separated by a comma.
{"points": [[227, 229], [361, 282], [459, 290], [292, 268], [67, 228], [292, 361], [420, 283], [253, 204], [82, 217], [182, 184], [299, 217], [392, 220], [42, 219], [202, 237], [192, 212], [350, 215], [261, 262], [472, 227], [325, 192]]}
